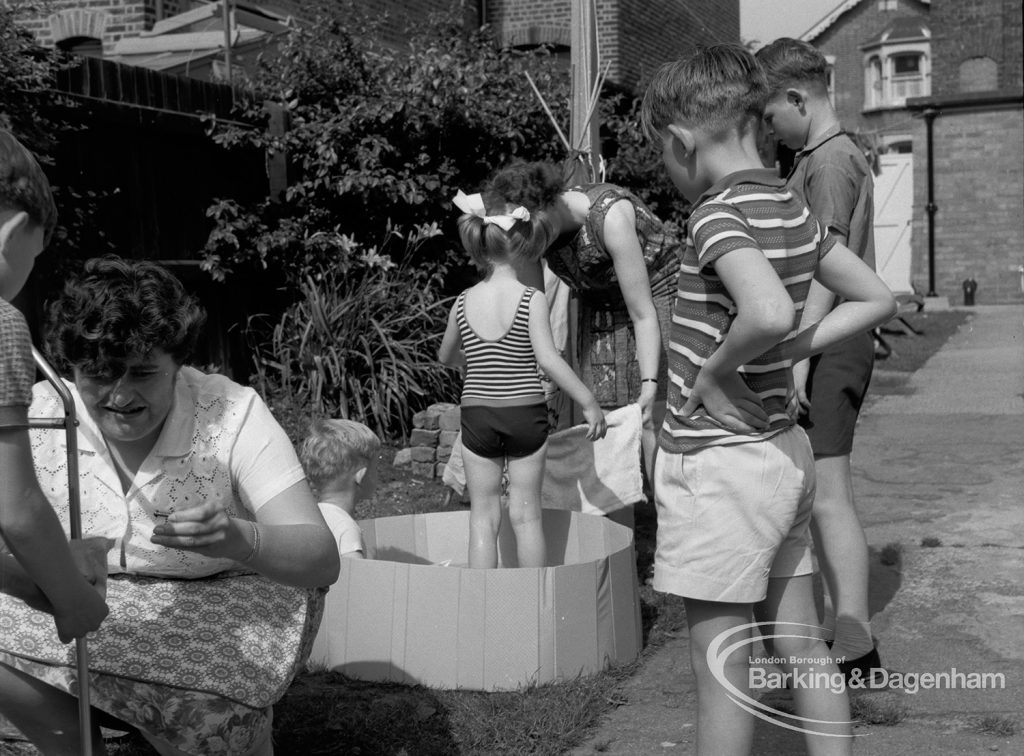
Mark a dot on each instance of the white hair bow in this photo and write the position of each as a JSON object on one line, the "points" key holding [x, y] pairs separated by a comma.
{"points": [[474, 205]]}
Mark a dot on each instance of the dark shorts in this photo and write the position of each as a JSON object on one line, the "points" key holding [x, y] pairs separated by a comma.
{"points": [[495, 432], [836, 388]]}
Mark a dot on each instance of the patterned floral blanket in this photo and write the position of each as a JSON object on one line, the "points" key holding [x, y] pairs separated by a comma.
{"points": [[242, 637]]}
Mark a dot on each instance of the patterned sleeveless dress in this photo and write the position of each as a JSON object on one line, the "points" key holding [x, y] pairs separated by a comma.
{"points": [[607, 346]]}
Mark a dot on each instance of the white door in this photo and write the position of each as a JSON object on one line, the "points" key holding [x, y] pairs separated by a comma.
{"points": [[894, 213]]}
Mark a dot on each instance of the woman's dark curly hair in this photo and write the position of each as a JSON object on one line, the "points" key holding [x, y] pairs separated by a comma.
{"points": [[118, 310], [535, 186]]}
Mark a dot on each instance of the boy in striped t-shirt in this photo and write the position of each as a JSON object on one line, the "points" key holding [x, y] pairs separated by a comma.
{"points": [[734, 476]]}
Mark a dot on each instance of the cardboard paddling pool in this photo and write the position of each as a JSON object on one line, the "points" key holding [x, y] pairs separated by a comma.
{"points": [[409, 613]]}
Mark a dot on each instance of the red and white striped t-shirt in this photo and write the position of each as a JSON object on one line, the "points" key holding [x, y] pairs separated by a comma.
{"points": [[751, 208]]}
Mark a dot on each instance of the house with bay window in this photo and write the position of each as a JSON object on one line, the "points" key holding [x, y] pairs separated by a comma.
{"points": [[909, 73], [880, 55]]}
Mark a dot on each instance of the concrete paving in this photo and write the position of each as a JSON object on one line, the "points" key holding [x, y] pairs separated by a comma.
{"points": [[939, 479]]}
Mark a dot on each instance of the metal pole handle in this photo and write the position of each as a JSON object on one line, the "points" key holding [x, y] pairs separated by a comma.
{"points": [[70, 425]]}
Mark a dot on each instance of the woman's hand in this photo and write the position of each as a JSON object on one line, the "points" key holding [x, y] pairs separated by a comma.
{"points": [[205, 529], [294, 547]]}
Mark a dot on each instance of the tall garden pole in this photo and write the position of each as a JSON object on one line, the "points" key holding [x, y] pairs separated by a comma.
{"points": [[226, 9], [69, 424], [584, 154], [584, 122]]}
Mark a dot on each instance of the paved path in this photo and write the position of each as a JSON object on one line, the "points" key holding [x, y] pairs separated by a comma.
{"points": [[943, 465]]}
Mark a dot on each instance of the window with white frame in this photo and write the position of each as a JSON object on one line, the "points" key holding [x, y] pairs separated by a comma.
{"points": [[907, 76], [895, 73]]}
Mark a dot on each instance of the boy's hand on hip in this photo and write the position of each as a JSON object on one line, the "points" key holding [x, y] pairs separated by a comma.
{"points": [[727, 401], [799, 402]]}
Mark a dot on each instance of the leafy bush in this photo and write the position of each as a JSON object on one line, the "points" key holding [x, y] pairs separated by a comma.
{"points": [[360, 342], [39, 116], [378, 136], [27, 98]]}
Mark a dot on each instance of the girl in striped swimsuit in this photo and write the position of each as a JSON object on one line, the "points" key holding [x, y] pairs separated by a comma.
{"points": [[499, 334]]}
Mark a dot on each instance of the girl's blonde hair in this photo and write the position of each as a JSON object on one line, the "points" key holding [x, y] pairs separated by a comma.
{"points": [[526, 241]]}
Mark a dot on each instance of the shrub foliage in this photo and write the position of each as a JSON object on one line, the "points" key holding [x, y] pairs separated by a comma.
{"points": [[377, 138], [377, 142], [359, 346]]}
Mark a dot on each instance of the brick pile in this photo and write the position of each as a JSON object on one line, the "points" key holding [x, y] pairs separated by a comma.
{"points": [[430, 442]]}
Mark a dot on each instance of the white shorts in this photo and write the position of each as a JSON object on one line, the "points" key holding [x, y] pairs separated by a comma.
{"points": [[730, 517]]}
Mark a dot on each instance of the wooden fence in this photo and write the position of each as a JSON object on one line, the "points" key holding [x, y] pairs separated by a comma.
{"points": [[144, 151]]}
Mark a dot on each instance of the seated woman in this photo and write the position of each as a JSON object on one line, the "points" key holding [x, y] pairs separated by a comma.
{"points": [[621, 261], [191, 477]]}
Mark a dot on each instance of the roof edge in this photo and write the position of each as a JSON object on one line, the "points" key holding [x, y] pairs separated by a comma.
{"points": [[826, 22]]}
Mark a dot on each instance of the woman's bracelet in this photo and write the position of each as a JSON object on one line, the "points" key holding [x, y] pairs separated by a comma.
{"points": [[648, 380], [255, 542]]}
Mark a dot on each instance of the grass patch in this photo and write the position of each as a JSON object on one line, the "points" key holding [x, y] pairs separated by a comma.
{"points": [[891, 554], [327, 713], [877, 709], [910, 352], [931, 542], [1003, 727]]}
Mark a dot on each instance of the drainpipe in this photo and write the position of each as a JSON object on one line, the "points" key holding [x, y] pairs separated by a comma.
{"points": [[929, 120]]}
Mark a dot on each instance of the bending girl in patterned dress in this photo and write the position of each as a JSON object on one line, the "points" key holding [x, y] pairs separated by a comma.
{"points": [[499, 333]]}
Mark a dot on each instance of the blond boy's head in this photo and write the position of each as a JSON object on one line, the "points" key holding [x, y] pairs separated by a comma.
{"points": [[340, 455]]}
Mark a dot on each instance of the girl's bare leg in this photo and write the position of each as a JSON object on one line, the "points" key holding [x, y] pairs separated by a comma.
{"points": [[525, 476], [483, 482]]}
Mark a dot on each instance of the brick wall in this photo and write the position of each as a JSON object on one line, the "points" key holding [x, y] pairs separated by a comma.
{"points": [[965, 29], [636, 36], [843, 40], [112, 19], [979, 192]]}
